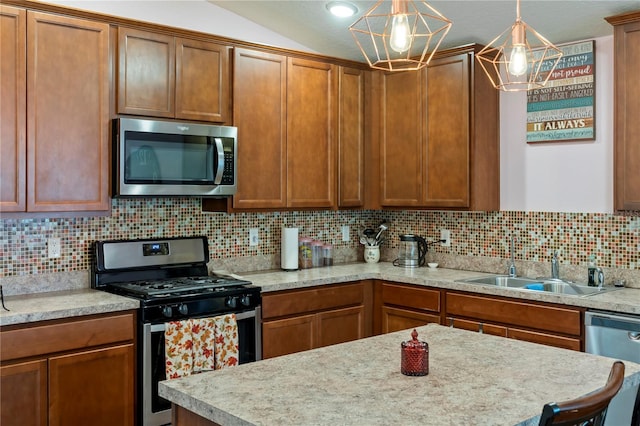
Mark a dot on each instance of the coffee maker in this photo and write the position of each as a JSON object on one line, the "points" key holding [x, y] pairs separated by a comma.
{"points": [[412, 251]]}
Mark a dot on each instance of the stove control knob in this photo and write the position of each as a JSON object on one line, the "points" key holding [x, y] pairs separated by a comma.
{"points": [[167, 311], [245, 300], [232, 301], [183, 309]]}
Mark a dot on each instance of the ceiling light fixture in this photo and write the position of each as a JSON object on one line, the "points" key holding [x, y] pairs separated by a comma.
{"points": [[341, 9], [397, 35], [520, 58]]}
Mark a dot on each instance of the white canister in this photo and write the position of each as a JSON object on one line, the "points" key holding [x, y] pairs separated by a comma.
{"points": [[289, 249], [371, 254]]}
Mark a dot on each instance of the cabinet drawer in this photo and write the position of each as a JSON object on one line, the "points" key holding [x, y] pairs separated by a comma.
{"points": [[67, 335], [545, 339], [411, 297], [311, 300], [494, 330], [550, 318]]}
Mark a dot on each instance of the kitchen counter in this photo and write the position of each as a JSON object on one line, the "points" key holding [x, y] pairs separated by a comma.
{"points": [[625, 300], [62, 304], [474, 379], [69, 303]]}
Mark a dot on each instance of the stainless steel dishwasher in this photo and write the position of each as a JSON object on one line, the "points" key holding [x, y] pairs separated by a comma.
{"points": [[616, 336]]}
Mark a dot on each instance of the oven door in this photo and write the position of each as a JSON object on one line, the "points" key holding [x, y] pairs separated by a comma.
{"points": [[157, 410]]}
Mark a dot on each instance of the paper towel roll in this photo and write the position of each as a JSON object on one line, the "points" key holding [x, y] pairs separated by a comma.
{"points": [[289, 249]]}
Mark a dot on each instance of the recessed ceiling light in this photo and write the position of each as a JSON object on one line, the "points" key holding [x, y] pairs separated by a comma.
{"points": [[341, 9]]}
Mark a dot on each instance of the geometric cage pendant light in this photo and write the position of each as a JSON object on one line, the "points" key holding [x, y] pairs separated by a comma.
{"points": [[399, 35], [520, 58]]}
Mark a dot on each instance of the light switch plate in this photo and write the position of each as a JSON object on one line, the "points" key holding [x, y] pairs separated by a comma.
{"points": [[345, 233], [254, 238]]}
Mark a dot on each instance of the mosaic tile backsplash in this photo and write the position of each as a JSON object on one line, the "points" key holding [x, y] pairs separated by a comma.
{"points": [[613, 239]]}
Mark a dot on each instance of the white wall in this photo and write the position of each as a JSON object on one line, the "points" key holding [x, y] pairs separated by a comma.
{"points": [[197, 15], [559, 176]]}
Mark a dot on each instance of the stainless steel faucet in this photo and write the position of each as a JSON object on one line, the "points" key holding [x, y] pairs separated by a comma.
{"points": [[555, 266], [512, 263]]}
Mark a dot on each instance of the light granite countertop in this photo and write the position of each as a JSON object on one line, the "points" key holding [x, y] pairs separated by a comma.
{"points": [[625, 300], [34, 307], [474, 379], [62, 304]]}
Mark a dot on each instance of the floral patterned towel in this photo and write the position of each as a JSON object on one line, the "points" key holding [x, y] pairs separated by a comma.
{"points": [[226, 348], [200, 344]]}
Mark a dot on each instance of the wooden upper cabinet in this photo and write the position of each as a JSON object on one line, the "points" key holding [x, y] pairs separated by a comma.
{"points": [[146, 73], [627, 110], [312, 88], [67, 113], [439, 141], [351, 137], [13, 92], [170, 77], [259, 113], [401, 139], [202, 80], [447, 182]]}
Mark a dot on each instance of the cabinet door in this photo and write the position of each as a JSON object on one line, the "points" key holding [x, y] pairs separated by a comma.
{"points": [[627, 111], [146, 73], [340, 325], [351, 138], [23, 394], [93, 387], [202, 80], [312, 89], [13, 92], [259, 113], [447, 182], [287, 336], [67, 113], [396, 319], [401, 139]]}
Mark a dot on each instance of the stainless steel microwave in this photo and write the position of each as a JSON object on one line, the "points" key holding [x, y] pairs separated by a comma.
{"points": [[170, 158]]}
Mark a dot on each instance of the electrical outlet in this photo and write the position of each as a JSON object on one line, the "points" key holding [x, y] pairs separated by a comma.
{"points": [[345, 233], [254, 238], [445, 235], [53, 247]]}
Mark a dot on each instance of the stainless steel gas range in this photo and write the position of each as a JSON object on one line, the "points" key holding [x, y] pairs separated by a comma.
{"points": [[170, 278]]}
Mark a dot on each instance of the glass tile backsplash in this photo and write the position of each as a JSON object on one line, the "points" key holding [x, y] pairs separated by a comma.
{"points": [[613, 239]]}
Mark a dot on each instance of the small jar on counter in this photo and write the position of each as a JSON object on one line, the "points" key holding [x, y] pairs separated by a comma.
{"points": [[414, 356], [327, 255], [316, 250], [305, 257]]}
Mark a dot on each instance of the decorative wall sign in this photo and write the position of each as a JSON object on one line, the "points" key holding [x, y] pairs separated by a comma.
{"points": [[564, 110]]}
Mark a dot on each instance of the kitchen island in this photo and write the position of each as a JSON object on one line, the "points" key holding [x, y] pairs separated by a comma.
{"points": [[474, 379]]}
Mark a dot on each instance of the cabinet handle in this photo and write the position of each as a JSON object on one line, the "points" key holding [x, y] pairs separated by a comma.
{"points": [[450, 322], [480, 329]]}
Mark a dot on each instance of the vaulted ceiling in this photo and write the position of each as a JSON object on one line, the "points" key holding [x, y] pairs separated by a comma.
{"points": [[309, 23]]}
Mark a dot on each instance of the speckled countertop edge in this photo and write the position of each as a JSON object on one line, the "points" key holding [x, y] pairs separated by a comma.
{"points": [[62, 304], [35, 307], [474, 379], [625, 300]]}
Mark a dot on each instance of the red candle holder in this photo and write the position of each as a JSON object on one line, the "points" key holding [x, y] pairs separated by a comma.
{"points": [[415, 356]]}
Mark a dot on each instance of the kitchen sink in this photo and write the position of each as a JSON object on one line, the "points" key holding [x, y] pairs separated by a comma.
{"points": [[545, 285]]}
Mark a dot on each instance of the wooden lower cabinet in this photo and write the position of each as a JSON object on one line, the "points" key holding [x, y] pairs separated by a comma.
{"points": [[403, 306], [23, 393], [69, 372], [299, 320], [553, 325]]}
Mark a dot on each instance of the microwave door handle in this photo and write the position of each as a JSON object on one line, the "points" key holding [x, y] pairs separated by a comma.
{"points": [[220, 169]]}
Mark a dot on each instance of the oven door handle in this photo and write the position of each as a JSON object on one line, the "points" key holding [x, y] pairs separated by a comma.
{"points": [[154, 328]]}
